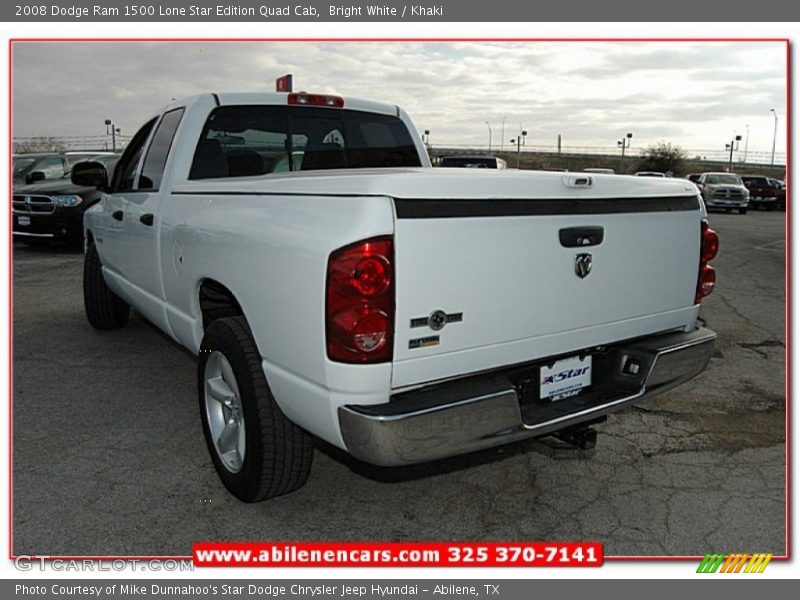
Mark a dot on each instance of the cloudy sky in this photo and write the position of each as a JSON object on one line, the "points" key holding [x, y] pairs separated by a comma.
{"points": [[698, 95]]}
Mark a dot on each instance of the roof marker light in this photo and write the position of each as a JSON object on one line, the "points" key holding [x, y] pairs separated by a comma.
{"points": [[316, 100]]}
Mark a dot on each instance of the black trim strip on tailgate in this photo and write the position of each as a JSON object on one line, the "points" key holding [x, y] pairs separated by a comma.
{"points": [[434, 208]]}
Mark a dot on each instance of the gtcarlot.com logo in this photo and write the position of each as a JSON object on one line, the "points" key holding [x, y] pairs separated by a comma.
{"points": [[734, 563], [47, 563]]}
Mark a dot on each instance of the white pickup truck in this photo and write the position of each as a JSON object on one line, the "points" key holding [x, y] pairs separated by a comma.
{"points": [[333, 284]]}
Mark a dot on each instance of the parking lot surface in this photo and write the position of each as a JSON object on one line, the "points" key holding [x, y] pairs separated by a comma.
{"points": [[109, 457]]}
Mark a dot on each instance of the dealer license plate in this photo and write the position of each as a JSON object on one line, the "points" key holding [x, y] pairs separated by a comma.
{"points": [[565, 378], [23, 221]]}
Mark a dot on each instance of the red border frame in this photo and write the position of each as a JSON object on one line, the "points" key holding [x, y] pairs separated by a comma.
{"points": [[788, 254]]}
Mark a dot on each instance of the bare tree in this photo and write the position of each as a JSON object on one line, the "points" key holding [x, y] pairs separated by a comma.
{"points": [[38, 144]]}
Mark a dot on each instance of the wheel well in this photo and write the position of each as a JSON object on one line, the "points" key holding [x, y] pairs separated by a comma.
{"points": [[217, 302]]}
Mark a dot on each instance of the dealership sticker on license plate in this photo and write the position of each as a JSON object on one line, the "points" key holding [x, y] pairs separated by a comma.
{"points": [[23, 221], [565, 378]]}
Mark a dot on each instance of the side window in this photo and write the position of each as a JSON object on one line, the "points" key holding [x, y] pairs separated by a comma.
{"points": [[153, 169], [53, 168], [126, 171]]}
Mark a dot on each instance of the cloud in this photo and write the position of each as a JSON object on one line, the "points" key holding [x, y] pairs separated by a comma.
{"points": [[694, 94]]}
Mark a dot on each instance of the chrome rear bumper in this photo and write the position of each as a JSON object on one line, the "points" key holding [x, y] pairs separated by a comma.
{"points": [[486, 410]]}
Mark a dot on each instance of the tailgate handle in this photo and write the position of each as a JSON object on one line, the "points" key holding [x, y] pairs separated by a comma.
{"points": [[578, 237]]}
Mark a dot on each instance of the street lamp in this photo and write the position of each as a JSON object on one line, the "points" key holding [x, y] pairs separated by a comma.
{"points": [[426, 138], [503, 135], [490, 136], [734, 145], [520, 141], [746, 143], [114, 131], [774, 136], [624, 143]]}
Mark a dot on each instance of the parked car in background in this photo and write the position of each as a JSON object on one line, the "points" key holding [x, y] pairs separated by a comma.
{"points": [[473, 162], [53, 210], [45, 166], [650, 174], [600, 170], [780, 199], [28, 168], [724, 191], [763, 191]]}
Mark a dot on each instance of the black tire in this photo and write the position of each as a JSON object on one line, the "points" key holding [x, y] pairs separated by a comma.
{"points": [[277, 453], [742, 211], [104, 309]]}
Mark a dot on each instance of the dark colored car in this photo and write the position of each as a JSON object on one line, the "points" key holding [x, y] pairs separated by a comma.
{"points": [[53, 210], [28, 168], [46, 166], [780, 199], [763, 191], [473, 162]]}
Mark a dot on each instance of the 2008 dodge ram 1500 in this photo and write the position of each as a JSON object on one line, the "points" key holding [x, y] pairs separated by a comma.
{"points": [[332, 283]]}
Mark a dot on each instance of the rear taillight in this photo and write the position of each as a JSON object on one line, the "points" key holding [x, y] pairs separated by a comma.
{"points": [[710, 243], [302, 98], [706, 277], [359, 309]]}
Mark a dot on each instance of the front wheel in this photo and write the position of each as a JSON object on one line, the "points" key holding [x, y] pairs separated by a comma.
{"points": [[257, 452], [104, 309]]}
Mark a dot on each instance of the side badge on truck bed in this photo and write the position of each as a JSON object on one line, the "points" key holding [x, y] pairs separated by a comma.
{"points": [[437, 320]]}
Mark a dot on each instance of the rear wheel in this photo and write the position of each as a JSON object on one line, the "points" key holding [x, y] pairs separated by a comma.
{"points": [[104, 309], [257, 452]]}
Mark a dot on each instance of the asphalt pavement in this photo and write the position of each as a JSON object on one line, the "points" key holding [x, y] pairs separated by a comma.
{"points": [[109, 457]]}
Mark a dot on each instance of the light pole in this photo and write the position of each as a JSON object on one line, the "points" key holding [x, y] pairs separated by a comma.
{"points": [[520, 141], [114, 132], [490, 136], [774, 136], [427, 139], [503, 135], [734, 145], [624, 143], [746, 143]]}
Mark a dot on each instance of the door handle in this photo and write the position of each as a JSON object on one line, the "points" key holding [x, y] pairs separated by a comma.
{"points": [[147, 219], [117, 214], [576, 237]]}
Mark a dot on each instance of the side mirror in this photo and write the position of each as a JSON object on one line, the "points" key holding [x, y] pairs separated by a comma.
{"points": [[35, 176], [90, 174]]}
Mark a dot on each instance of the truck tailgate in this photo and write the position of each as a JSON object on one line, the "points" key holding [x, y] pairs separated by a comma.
{"points": [[488, 283]]}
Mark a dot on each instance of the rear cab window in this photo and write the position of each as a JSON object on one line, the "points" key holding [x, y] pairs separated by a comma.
{"points": [[242, 141]]}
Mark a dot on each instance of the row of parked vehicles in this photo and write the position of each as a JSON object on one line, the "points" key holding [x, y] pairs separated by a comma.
{"points": [[729, 191]]}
